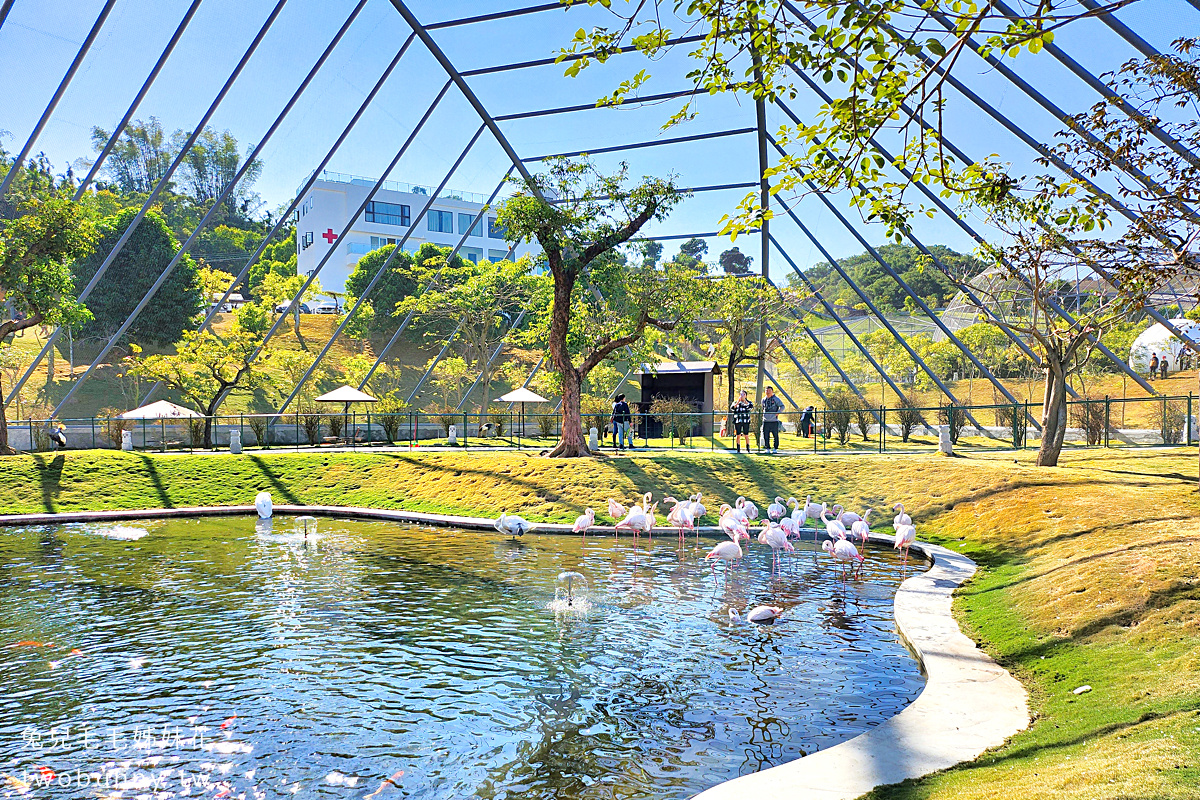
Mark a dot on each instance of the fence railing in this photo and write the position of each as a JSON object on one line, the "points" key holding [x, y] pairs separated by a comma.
{"points": [[1104, 422]]}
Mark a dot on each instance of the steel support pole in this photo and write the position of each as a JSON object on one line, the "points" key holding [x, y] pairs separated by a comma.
{"points": [[433, 364], [383, 270], [621, 148], [4, 9], [175, 163], [816, 340], [488, 365], [803, 372], [764, 203], [782, 391], [137, 100], [449, 258], [58, 93]]}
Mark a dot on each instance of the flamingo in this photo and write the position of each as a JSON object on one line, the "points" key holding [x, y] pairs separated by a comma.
{"points": [[790, 527], [861, 529], [514, 526], [634, 521], [777, 510], [584, 521], [616, 510], [847, 518], [698, 509], [733, 524], [844, 552], [680, 516], [901, 518], [905, 536], [648, 525], [761, 615], [813, 511], [724, 551], [747, 507], [774, 537], [833, 527]]}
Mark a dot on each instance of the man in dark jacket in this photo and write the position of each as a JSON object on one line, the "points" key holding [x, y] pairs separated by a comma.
{"points": [[806, 421], [771, 407], [621, 418]]}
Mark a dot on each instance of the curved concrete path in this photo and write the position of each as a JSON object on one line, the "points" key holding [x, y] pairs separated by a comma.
{"points": [[970, 703]]}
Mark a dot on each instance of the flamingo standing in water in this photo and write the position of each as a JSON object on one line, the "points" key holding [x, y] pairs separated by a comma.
{"points": [[733, 524], [901, 518], [513, 525], [833, 527], [844, 552], [847, 518], [635, 520], [776, 510], [584, 521], [774, 537], [680, 516], [812, 513], [761, 615], [747, 507], [790, 527], [861, 530], [728, 552], [698, 509], [905, 536], [616, 510], [648, 525]]}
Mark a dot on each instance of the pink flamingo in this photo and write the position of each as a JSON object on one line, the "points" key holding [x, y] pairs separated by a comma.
{"points": [[773, 536], [724, 551], [905, 536], [584, 521], [790, 527], [844, 552], [861, 529], [758, 614]]}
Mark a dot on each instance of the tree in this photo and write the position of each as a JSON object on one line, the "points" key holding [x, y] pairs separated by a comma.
{"points": [[735, 262], [206, 368], [277, 290], [694, 248], [484, 300], [884, 65], [210, 166], [130, 275], [278, 257], [397, 284], [917, 269], [140, 157], [1028, 275], [601, 303], [739, 306], [36, 250]]}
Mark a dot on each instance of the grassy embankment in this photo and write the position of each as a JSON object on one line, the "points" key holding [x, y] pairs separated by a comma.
{"points": [[1088, 572]]}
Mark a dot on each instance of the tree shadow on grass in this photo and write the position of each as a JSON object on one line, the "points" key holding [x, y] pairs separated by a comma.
{"points": [[164, 499], [274, 480], [50, 479]]}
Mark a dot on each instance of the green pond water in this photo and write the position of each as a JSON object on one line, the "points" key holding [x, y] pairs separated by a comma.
{"points": [[214, 658]]}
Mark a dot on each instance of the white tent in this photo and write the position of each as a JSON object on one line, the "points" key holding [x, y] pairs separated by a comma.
{"points": [[346, 394], [522, 395], [160, 409], [1157, 340]]}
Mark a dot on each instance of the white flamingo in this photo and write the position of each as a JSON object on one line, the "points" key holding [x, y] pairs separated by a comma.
{"points": [[759, 614], [861, 529], [651, 520], [698, 509], [680, 516], [513, 525], [813, 511], [844, 552], [616, 510], [905, 536], [728, 552], [635, 520], [790, 527], [777, 510], [774, 537], [262, 504], [732, 523], [584, 521], [901, 518], [748, 508], [847, 518], [833, 527]]}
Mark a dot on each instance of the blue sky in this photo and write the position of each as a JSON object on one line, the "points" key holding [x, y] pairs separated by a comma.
{"points": [[41, 37]]}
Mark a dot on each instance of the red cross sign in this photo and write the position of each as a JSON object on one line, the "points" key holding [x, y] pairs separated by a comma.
{"points": [[329, 236]]}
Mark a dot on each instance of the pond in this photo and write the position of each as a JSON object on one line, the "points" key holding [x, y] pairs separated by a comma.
{"points": [[207, 658]]}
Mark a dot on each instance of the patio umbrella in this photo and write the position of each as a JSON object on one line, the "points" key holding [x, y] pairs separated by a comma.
{"points": [[346, 395], [160, 410], [523, 396]]}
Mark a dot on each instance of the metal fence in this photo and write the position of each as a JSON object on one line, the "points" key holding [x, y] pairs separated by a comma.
{"points": [[1106, 422]]}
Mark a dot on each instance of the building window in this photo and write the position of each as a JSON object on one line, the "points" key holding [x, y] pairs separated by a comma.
{"points": [[464, 222], [382, 241], [358, 248], [306, 240], [307, 206], [496, 231], [497, 255], [388, 214], [472, 254], [441, 221]]}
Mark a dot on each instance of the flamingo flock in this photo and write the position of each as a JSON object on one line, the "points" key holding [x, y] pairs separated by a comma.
{"points": [[846, 533]]}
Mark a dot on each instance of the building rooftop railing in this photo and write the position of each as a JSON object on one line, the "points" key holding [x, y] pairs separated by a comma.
{"points": [[398, 186]]}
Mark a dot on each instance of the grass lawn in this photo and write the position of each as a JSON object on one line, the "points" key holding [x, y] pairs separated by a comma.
{"points": [[1089, 570]]}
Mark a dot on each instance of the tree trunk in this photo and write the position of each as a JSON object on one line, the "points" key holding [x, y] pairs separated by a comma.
{"points": [[5, 450], [734, 357], [572, 444], [1054, 415]]}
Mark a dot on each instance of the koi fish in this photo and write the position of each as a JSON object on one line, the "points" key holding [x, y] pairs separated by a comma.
{"points": [[392, 781], [19, 785], [75, 652], [225, 725], [30, 643], [47, 773]]}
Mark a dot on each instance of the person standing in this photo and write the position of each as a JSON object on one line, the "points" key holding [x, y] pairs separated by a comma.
{"points": [[741, 412], [1153, 364], [620, 419], [806, 421], [771, 407], [1162, 367]]}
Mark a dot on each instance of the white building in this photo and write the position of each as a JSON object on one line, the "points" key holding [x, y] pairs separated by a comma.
{"points": [[323, 212]]}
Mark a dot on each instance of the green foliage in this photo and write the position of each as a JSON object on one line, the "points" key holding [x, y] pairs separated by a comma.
{"points": [[139, 264], [929, 282], [677, 416], [397, 284], [278, 258], [839, 415], [734, 262]]}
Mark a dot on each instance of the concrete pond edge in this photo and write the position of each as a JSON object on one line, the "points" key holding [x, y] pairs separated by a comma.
{"points": [[969, 705]]}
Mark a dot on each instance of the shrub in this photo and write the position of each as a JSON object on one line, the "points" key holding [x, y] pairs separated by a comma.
{"points": [[312, 425], [545, 425], [445, 415], [260, 426], [839, 413], [1174, 421], [195, 427], [1090, 415], [676, 415], [499, 419], [1016, 419], [955, 417], [908, 418], [41, 436], [335, 423], [391, 414], [597, 413], [114, 425], [863, 418]]}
